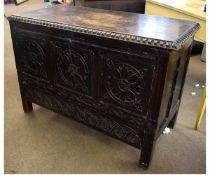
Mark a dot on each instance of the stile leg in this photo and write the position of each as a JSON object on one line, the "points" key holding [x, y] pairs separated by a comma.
{"points": [[27, 105], [173, 121], [147, 149], [146, 155]]}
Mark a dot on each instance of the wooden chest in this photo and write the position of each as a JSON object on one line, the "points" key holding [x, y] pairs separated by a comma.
{"points": [[121, 73]]}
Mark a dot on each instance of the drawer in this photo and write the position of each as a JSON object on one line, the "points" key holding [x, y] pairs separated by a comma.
{"points": [[117, 128]]}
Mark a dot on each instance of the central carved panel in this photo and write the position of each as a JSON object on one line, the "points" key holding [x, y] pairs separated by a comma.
{"points": [[73, 67]]}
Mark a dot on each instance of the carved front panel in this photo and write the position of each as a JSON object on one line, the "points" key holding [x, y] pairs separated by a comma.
{"points": [[73, 66], [32, 58], [126, 81]]}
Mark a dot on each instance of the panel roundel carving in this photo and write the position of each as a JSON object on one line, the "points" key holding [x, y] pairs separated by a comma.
{"points": [[125, 84], [73, 70], [33, 58]]}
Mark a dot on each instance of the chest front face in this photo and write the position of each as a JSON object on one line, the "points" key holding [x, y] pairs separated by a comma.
{"points": [[118, 79]]}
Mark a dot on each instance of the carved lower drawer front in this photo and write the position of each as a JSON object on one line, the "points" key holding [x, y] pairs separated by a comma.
{"points": [[86, 115]]}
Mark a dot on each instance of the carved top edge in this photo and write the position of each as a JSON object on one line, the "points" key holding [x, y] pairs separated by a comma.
{"points": [[173, 45]]}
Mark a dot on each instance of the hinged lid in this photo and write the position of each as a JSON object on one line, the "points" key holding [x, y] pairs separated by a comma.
{"points": [[144, 29]]}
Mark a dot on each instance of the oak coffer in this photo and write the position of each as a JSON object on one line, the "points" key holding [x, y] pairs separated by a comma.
{"points": [[121, 73]]}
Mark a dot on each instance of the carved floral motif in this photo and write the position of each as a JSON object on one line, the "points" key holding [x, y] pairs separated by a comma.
{"points": [[33, 57], [73, 70], [124, 84]]}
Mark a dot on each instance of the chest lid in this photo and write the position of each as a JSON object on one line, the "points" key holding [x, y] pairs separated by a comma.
{"points": [[144, 29]]}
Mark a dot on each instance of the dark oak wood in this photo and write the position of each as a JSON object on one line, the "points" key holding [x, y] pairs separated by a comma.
{"points": [[116, 22], [126, 88]]}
